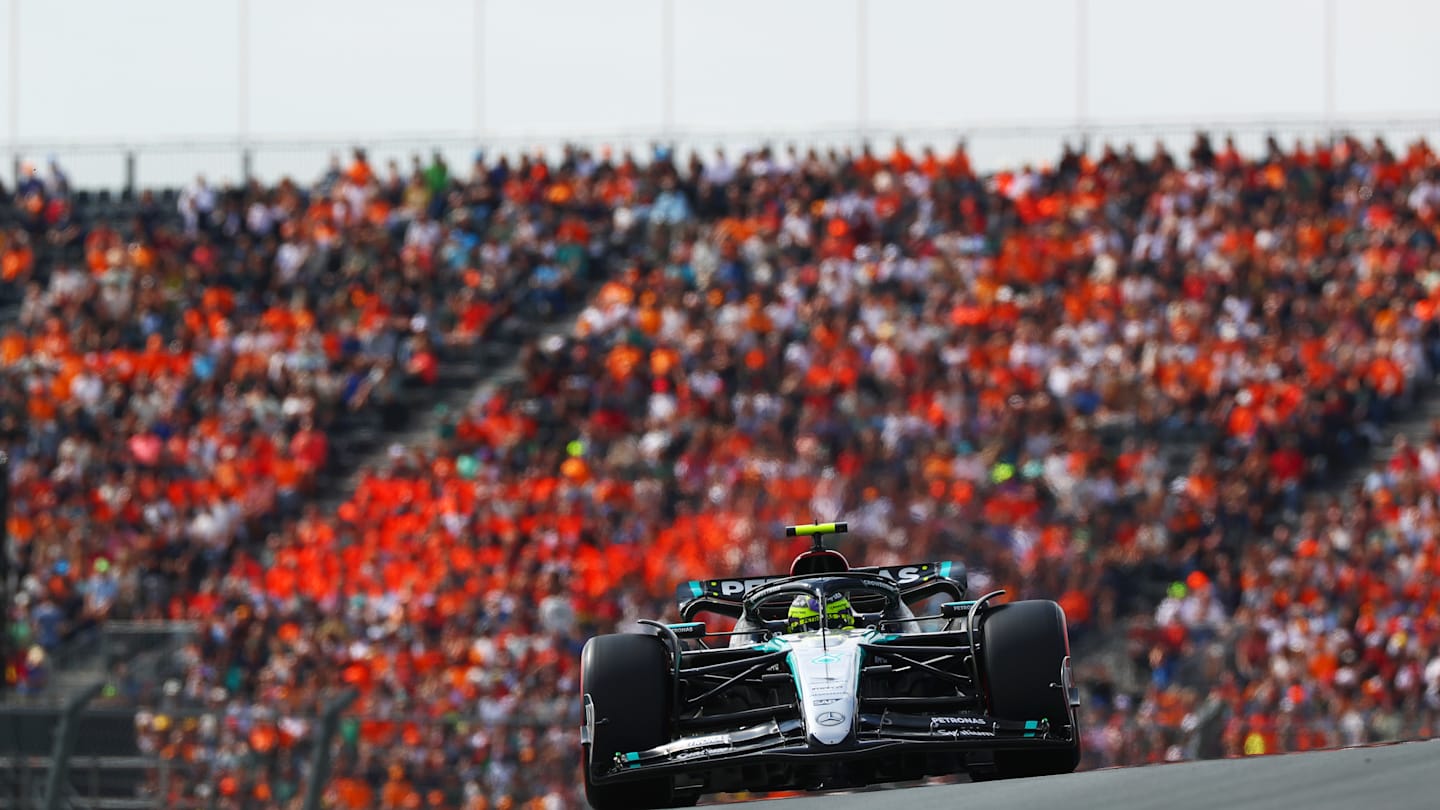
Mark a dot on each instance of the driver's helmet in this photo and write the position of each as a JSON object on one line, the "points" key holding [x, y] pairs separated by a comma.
{"points": [[805, 614]]}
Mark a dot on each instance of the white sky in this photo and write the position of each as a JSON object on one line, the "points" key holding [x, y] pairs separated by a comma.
{"points": [[170, 70]]}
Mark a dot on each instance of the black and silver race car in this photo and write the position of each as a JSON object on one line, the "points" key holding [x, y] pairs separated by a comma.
{"points": [[827, 680]]}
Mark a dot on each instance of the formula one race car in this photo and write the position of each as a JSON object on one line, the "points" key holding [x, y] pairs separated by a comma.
{"points": [[827, 680]]}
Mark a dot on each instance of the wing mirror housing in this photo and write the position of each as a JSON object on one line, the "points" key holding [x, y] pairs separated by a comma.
{"points": [[689, 629], [956, 610]]}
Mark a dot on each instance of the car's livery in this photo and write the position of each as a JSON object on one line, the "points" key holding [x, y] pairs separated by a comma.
{"points": [[669, 716], [904, 576]]}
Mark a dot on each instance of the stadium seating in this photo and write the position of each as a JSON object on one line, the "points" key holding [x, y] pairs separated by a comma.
{"points": [[1325, 633], [1111, 382]]}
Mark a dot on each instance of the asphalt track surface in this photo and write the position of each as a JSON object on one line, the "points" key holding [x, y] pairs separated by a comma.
{"points": [[1387, 777]]}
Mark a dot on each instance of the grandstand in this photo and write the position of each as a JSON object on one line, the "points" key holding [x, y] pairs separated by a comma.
{"points": [[409, 439]]}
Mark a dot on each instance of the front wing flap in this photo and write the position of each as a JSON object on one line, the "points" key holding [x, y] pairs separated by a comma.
{"points": [[709, 746], [880, 734]]}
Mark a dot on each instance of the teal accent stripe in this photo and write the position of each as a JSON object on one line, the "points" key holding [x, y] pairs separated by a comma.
{"points": [[696, 589], [795, 673], [633, 756], [944, 569], [1031, 725]]}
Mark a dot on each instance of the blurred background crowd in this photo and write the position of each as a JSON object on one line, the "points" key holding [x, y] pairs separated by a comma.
{"points": [[1182, 394]]}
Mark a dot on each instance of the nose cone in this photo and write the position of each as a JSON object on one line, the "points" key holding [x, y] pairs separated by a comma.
{"points": [[827, 676]]}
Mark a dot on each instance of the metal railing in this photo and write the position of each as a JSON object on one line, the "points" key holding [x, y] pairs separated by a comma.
{"points": [[146, 648], [170, 164], [194, 758], [88, 775]]}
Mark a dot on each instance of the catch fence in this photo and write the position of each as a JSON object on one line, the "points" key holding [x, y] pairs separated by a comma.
{"points": [[118, 166]]}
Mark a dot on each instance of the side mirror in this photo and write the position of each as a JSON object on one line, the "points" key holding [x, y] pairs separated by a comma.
{"points": [[688, 629], [956, 610]]}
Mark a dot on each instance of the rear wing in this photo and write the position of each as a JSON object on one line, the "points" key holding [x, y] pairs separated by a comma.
{"points": [[916, 582]]}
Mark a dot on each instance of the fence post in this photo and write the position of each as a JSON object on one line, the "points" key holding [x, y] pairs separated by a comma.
{"points": [[130, 174], [65, 735], [247, 164], [6, 593], [164, 779], [320, 758]]}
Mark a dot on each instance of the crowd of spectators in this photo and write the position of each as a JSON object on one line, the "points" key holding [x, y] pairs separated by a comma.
{"points": [[171, 381], [1110, 382], [1323, 634]]}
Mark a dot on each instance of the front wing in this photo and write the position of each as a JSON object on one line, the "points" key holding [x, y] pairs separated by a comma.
{"points": [[889, 734]]}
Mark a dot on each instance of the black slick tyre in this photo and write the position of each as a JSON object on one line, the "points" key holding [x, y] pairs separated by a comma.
{"points": [[626, 678], [1024, 645]]}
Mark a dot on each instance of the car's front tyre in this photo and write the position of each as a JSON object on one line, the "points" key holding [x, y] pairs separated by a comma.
{"points": [[627, 680], [1023, 647]]}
